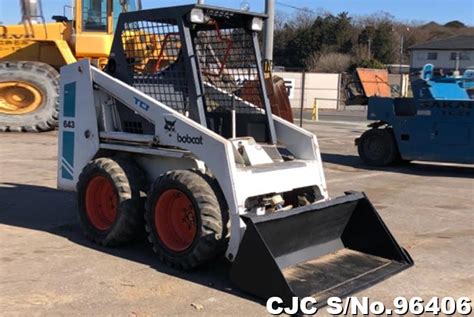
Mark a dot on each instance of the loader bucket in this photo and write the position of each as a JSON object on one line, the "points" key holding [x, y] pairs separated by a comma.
{"points": [[333, 248]]}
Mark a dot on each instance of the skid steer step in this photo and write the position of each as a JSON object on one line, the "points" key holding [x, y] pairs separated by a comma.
{"points": [[333, 248]]}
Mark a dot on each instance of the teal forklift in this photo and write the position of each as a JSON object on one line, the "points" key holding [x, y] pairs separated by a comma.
{"points": [[436, 124]]}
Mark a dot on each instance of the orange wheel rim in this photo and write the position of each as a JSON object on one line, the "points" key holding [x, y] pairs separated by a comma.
{"points": [[175, 220], [19, 97], [101, 202]]}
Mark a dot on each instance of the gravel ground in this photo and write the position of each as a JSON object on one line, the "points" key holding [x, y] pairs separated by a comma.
{"points": [[48, 268]]}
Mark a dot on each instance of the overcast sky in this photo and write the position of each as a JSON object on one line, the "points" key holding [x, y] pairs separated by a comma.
{"points": [[440, 11]]}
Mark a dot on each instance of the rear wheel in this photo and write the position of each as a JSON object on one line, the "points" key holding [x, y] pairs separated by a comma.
{"points": [[185, 221], [29, 96], [110, 207], [378, 147]]}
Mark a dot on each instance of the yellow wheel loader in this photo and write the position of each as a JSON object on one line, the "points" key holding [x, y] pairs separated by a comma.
{"points": [[32, 52]]}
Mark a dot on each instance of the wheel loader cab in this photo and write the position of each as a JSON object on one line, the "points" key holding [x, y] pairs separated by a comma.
{"points": [[95, 22]]}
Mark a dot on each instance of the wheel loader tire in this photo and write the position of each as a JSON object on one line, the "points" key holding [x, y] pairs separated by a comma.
{"points": [[29, 97], [185, 220], [377, 147], [110, 207]]}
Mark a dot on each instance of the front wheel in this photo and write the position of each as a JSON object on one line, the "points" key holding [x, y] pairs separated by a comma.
{"points": [[378, 147], [185, 219]]}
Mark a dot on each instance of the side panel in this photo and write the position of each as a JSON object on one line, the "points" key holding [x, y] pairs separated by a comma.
{"points": [[93, 44], [304, 145], [18, 37], [52, 52], [253, 181], [78, 135], [442, 130], [429, 130], [155, 166]]}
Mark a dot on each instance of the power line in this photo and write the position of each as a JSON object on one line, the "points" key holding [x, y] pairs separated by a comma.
{"points": [[295, 8]]}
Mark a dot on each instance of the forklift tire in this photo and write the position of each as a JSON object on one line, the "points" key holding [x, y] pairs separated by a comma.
{"points": [[110, 207], [377, 147], [185, 219], [29, 97]]}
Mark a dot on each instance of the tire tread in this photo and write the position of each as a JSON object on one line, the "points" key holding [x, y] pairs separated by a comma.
{"points": [[213, 238], [52, 76], [128, 180]]}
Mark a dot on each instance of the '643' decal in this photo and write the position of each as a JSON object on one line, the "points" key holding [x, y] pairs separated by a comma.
{"points": [[69, 124]]}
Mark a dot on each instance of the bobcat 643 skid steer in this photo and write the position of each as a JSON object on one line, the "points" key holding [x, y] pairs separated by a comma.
{"points": [[192, 135]]}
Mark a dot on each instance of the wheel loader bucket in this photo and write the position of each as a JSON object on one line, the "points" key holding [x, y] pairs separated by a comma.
{"points": [[333, 248]]}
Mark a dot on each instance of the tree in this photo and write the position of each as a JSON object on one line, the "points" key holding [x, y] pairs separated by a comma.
{"points": [[299, 48], [293, 42], [344, 30], [384, 43], [455, 24], [365, 39], [302, 39], [331, 62]]}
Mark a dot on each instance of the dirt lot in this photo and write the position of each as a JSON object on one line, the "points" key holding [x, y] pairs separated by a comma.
{"points": [[47, 267]]}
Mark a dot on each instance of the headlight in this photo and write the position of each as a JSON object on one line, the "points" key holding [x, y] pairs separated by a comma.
{"points": [[256, 24], [196, 16]]}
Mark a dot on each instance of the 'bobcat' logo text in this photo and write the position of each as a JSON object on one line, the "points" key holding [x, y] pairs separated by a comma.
{"points": [[189, 139]]}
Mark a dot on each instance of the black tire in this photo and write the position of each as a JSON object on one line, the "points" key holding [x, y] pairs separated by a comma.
{"points": [[46, 79], [378, 147], [211, 219], [128, 183]]}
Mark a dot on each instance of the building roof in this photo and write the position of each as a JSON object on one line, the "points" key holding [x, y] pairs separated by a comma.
{"points": [[461, 42]]}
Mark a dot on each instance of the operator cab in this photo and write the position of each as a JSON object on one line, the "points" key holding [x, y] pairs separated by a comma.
{"points": [[96, 13], [94, 23], [92, 26], [203, 62]]}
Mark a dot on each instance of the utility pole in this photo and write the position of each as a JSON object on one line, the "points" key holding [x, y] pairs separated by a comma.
{"points": [[400, 66], [269, 29], [200, 1], [456, 65]]}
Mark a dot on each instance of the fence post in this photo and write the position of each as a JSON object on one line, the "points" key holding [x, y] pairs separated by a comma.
{"points": [[339, 84], [315, 111], [303, 78]]}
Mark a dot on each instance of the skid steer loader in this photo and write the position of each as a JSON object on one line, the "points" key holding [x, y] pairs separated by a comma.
{"points": [[194, 137]]}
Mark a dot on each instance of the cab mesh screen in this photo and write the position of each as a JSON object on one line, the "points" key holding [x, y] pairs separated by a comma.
{"points": [[153, 52], [228, 67]]}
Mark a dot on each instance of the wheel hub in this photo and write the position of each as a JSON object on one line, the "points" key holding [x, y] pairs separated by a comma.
{"points": [[175, 220], [375, 147], [19, 97], [101, 203]]}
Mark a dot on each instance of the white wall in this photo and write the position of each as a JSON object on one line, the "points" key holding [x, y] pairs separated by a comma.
{"points": [[420, 57], [325, 87]]}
